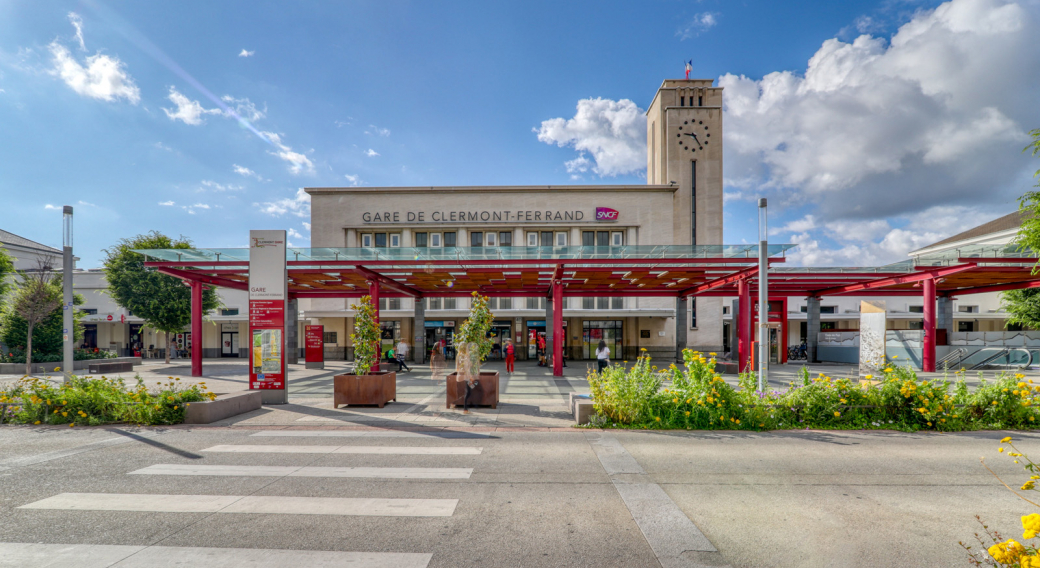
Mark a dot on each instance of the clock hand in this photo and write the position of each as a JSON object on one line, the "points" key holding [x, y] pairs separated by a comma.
{"points": [[694, 136]]}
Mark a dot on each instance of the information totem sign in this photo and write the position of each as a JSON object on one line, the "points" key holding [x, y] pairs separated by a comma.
{"points": [[314, 339], [268, 295]]}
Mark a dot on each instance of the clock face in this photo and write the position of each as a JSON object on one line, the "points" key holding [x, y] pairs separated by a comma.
{"points": [[693, 136]]}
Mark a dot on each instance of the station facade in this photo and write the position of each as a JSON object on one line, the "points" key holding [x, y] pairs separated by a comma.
{"points": [[681, 204]]}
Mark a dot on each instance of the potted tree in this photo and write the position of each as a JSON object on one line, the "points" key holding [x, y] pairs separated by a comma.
{"points": [[365, 386], [472, 346]]}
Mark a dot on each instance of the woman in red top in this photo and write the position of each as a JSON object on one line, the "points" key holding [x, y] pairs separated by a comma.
{"points": [[510, 352]]}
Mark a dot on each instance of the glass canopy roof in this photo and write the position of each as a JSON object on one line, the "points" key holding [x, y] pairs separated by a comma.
{"points": [[410, 254]]}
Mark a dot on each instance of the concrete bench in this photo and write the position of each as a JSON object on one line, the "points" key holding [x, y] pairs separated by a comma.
{"points": [[727, 367], [224, 406], [111, 367], [581, 407], [574, 397]]}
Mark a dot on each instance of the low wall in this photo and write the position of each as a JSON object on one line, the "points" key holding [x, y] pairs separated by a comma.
{"points": [[19, 368]]}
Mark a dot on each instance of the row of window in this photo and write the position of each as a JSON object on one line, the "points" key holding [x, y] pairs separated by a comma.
{"points": [[587, 303], [495, 239]]}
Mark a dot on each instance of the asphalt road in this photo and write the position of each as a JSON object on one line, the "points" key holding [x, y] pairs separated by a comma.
{"points": [[487, 497]]}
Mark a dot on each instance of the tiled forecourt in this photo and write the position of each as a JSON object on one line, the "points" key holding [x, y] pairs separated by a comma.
{"points": [[122, 556]]}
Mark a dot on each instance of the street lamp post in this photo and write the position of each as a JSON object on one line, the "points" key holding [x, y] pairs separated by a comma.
{"points": [[763, 297], [68, 333]]}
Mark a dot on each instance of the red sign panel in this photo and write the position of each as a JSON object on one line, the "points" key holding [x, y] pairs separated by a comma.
{"points": [[266, 344], [314, 337]]}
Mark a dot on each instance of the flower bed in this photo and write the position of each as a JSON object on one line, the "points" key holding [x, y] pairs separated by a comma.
{"points": [[697, 398], [94, 401]]}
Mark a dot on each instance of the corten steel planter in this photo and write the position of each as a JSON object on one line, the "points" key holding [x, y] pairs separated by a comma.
{"points": [[484, 394], [376, 388]]}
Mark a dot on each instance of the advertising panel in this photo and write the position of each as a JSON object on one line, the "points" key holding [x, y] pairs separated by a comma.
{"points": [[267, 298], [314, 340]]}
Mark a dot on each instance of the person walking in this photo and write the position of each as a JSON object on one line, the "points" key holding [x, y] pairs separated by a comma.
{"points": [[402, 350], [602, 356], [510, 356], [437, 361]]}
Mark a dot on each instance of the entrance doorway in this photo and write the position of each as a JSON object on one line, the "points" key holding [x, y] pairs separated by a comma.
{"points": [[440, 332], [135, 347], [229, 344], [610, 331], [499, 332], [535, 338]]}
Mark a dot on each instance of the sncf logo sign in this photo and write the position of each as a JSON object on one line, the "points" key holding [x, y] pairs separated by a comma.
{"points": [[606, 214]]}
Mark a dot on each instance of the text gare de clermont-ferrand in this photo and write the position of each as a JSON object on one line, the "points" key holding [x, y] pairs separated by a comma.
{"points": [[602, 214]]}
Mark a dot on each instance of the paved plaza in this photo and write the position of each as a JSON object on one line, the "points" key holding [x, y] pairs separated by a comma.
{"points": [[416, 485]]}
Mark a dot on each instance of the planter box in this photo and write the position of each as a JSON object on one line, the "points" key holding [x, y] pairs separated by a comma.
{"points": [[377, 388], [96, 367], [224, 406], [484, 394]]}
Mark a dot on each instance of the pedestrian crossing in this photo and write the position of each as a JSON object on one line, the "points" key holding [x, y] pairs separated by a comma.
{"points": [[133, 556]]}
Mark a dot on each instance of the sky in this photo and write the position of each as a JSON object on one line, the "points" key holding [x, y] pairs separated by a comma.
{"points": [[874, 128]]}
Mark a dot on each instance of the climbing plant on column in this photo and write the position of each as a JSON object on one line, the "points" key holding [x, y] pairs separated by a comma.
{"points": [[365, 336]]}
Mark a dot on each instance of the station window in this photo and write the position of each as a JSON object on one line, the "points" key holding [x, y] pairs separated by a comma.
{"points": [[545, 238], [395, 239], [366, 240], [692, 308], [435, 240], [561, 239], [828, 309], [682, 101], [329, 337], [603, 238], [89, 311], [588, 238], [536, 303], [532, 239], [700, 101], [915, 325], [224, 311], [380, 240], [915, 309], [421, 240], [450, 303], [505, 239], [393, 303], [725, 310], [449, 239], [476, 239], [617, 238], [617, 303], [491, 239], [968, 309], [501, 303], [433, 303]]}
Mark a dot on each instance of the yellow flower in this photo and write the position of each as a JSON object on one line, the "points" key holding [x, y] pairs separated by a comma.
{"points": [[868, 377], [1028, 486], [843, 401], [1006, 552], [72, 424], [1031, 524], [895, 356], [1001, 450], [1031, 561], [687, 413], [56, 369], [738, 421], [64, 413], [175, 408], [675, 400], [1021, 385], [836, 414], [37, 422]]}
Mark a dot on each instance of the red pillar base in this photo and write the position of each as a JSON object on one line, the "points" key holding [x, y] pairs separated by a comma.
{"points": [[196, 329], [559, 338]]}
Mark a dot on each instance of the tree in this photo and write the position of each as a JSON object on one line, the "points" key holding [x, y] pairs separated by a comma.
{"points": [[37, 297], [162, 301], [48, 335], [365, 336], [6, 270], [1023, 306]]}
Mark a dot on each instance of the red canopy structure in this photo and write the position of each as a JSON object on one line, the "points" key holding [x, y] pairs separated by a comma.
{"points": [[636, 271]]}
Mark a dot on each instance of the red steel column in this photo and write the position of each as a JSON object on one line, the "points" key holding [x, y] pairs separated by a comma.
{"points": [[196, 329], [559, 338], [744, 324], [928, 349], [373, 291]]}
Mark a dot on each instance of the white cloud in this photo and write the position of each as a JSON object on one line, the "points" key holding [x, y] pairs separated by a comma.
{"points": [[245, 53], [307, 226], [342, 123], [246, 172], [699, 24], [188, 111], [297, 162], [219, 186], [162, 146], [100, 77], [355, 180], [245, 108], [166, 203], [85, 203], [77, 22], [613, 132], [883, 139], [50, 207], [375, 130], [294, 233], [298, 205], [371, 153], [200, 206]]}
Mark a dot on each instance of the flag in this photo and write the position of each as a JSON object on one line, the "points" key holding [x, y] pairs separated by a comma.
{"points": [[689, 67]]}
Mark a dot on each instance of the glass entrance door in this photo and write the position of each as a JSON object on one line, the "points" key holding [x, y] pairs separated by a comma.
{"points": [[229, 344], [609, 331]]}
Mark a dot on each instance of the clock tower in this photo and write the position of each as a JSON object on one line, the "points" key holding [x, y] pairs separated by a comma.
{"points": [[684, 149], [684, 146]]}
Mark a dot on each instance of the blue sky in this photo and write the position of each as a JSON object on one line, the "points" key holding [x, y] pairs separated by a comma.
{"points": [[204, 119]]}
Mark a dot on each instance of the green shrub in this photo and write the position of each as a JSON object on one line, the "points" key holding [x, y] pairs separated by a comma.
{"points": [[93, 401], [698, 398]]}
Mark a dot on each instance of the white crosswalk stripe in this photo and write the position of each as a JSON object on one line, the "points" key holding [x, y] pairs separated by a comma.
{"points": [[294, 471], [367, 434], [380, 450], [247, 504], [21, 555]]}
